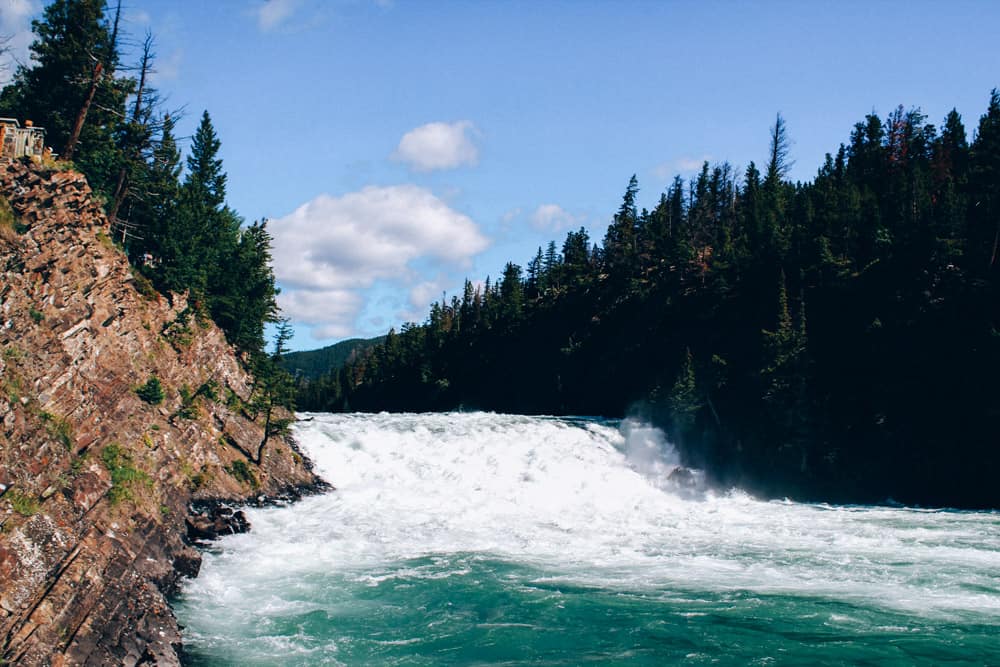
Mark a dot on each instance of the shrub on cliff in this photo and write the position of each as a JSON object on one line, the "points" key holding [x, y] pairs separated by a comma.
{"points": [[152, 391], [124, 474]]}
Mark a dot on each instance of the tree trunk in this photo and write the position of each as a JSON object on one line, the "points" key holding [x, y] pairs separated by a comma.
{"points": [[82, 116]]}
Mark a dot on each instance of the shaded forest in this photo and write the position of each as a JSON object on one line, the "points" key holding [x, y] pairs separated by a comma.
{"points": [[836, 340]]}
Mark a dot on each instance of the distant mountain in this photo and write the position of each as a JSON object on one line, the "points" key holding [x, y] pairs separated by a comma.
{"points": [[314, 363]]}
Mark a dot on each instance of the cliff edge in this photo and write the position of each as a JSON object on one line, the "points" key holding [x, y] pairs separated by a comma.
{"points": [[100, 488]]}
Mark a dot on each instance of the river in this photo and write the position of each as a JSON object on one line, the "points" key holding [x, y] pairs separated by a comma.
{"points": [[484, 539]]}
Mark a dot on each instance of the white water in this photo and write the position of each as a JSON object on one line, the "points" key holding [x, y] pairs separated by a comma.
{"points": [[585, 503]]}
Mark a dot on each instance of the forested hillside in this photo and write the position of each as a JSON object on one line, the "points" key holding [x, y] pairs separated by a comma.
{"points": [[103, 117], [315, 363], [835, 339]]}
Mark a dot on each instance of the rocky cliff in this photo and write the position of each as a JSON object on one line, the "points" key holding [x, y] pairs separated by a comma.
{"points": [[99, 486]]}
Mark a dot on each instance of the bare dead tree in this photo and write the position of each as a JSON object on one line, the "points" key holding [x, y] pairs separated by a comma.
{"points": [[139, 131]]}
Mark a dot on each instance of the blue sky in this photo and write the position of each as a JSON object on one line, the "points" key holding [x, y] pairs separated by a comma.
{"points": [[398, 147]]}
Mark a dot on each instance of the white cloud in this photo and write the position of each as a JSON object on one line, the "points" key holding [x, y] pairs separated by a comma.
{"points": [[275, 12], [421, 296], [329, 312], [552, 218], [328, 251], [15, 24], [438, 146], [683, 165]]}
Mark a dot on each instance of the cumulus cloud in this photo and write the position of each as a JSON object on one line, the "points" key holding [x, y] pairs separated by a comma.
{"points": [[552, 218], [275, 12], [331, 249], [15, 25], [438, 146], [329, 312], [420, 297], [423, 294]]}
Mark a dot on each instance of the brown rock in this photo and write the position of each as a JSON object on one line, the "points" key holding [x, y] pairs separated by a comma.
{"points": [[103, 479]]}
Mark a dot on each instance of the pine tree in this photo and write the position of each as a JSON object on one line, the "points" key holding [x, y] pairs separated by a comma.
{"points": [[535, 273], [620, 242], [779, 164], [984, 184], [550, 266], [951, 178], [683, 399], [511, 294], [274, 387], [205, 232], [244, 301], [157, 190], [75, 53], [205, 183]]}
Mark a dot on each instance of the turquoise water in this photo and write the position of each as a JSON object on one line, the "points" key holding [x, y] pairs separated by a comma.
{"points": [[473, 539]]}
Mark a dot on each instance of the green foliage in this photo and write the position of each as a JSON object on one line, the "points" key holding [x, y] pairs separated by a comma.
{"points": [[58, 428], [76, 465], [52, 86], [894, 246], [242, 472], [105, 240], [189, 407], [209, 389], [180, 237], [189, 399], [13, 387], [23, 504], [233, 401], [178, 333], [124, 475], [683, 399], [274, 387], [201, 478], [152, 391], [35, 314], [144, 286]]}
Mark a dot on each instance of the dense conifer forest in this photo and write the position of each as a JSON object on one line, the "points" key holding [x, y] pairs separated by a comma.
{"points": [[837, 339], [103, 117]]}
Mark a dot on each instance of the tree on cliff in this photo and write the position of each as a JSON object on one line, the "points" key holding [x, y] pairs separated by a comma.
{"points": [[155, 188], [75, 53], [203, 229], [199, 243]]}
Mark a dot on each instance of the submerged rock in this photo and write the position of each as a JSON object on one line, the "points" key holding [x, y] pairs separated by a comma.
{"points": [[212, 524]]}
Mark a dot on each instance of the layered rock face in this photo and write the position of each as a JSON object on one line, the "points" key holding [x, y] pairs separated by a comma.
{"points": [[97, 485]]}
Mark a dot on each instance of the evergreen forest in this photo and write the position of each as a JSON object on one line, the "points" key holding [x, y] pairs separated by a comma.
{"points": [[104, 117], [836, 340]]}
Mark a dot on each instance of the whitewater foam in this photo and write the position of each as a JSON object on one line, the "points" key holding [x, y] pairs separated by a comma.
{"points": [[423, 498]]}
